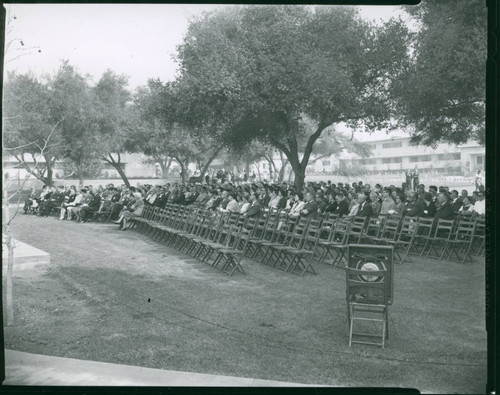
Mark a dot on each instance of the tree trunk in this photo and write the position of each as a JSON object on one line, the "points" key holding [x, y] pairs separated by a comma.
{"points": [[270, 170], [258, 172], [9, 305], [121, 173], [183, 172], [299, 173], [210, 160], [49, 163], [35, 172], [165, 166], [281, 174], [80, 179], [117, 165]]}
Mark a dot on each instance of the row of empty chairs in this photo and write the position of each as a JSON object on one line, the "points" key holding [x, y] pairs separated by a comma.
{"points": [[293, 244]]}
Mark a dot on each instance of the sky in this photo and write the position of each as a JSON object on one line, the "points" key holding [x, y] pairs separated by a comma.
{"points": [[137, 40]]}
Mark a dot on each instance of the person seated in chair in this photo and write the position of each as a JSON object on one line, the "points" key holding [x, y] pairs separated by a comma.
{"points": [[134, 210], [255, 207], [429, 208], [74, 208], [55, 200], [310, 209], [30, 200], [365, 208], [413, 207], [88, 209], [445, 209], [456, 200], [69, 198]]}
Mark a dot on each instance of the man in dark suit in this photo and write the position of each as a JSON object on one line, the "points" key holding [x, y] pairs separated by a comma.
{"points": [[429, 208], [413, 206], [342, 206], [445, 209], [456, 201], [311, 207], [365, 209], [224, 201], [321, 202], [55, 200], [255, 207]]}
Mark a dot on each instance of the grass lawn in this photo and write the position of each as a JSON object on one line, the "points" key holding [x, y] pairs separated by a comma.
{"points": [[92, 303]]}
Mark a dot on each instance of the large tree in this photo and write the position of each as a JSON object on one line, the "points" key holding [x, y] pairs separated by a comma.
{"points": [[117, 120], [263, 69], [443, 93], [31, 133], [164, 135], [72, 100]]}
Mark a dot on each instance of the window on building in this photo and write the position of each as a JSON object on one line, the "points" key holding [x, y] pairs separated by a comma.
{"points": [[479, 160], [394, 144], [420, 158], [392, 160], [326, 163], [450, 156]]}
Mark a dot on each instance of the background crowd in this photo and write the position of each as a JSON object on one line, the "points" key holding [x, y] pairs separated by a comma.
{"points": [[249, 198]]}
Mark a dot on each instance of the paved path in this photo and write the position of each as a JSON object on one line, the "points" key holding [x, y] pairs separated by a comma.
{"points": [[34, 369]]}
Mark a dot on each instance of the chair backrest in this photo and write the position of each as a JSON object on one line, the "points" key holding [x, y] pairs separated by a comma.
{"points": [[341, 232], [270, 226], [215, 227], [480, 227], [370, 274], [357, 228], [299, 232], [374, 226], [390, 229], [424, 226], [408, 229], [332, 217], [327, 230], [465, 230], [443, 229], [191, 219]]}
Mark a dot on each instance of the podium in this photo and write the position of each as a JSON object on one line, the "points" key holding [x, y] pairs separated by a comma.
{"points": [[369, 292]]}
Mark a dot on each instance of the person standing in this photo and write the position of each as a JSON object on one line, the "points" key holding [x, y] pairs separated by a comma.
{"points": [[478, 181]]}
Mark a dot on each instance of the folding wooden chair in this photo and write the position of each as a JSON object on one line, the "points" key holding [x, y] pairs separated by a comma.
{"points": [[436, 242], [357, 229], [291, 254], [181, 236], [336, 243], [372, 230], [312, 236], [332, 217], [405, 238], [194, 231], [423, 232], [230, 255], [282, 236], [261, 243], [203, 225], [389, 232], [460, 244], [479, 240]]}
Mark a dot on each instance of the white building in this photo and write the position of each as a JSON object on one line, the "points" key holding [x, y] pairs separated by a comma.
{"points": [[399, 154]]}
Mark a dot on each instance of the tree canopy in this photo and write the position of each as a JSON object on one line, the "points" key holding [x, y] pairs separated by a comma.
{"points": [[263, 69], [282, 76], [443, 92]]}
